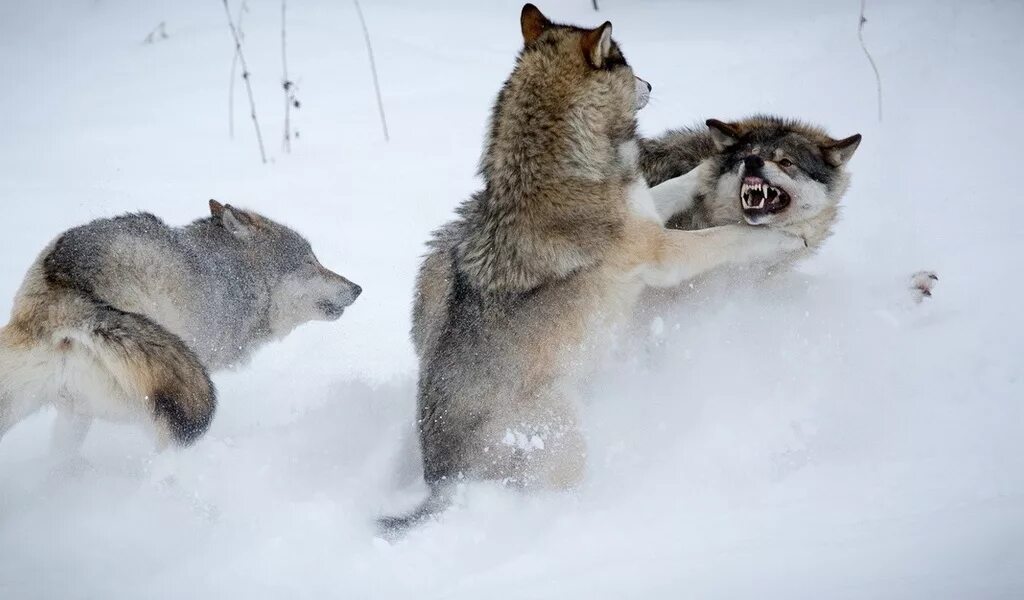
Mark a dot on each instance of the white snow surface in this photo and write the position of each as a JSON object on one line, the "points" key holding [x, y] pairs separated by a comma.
{"points": [[818, 437]]}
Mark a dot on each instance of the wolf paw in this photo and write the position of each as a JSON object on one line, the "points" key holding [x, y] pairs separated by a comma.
{"points": [[921, 284]]}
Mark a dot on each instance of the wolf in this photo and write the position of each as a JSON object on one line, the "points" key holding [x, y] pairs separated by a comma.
{"points": [[124, 318], [763, 169], [514, 295]]}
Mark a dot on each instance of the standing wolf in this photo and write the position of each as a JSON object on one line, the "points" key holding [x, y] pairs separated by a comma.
{"points": [[513, 295], [122, 318]]}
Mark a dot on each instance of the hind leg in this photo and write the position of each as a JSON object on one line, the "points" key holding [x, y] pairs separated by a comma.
{"points": [[540, 446], [26, 375], [14, 408], [563, 466], [561, 462], [69, 431], [537, 455]]}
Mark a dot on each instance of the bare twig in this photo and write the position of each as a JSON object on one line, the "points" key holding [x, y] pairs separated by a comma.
{"points": [[373, 68], [878, 78], [285, 82], [595, 5], [234, 67], [159, 33], [245, 76]]}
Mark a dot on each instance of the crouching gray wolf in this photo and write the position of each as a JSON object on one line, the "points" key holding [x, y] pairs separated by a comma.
{"points": [[514, 295], [122, 318]]}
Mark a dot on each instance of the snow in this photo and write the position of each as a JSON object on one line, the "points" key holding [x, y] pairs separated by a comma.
{"points": [[819, 437]]}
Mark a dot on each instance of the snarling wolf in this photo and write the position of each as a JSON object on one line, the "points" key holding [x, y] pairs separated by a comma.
{"points": [[123, 318], [764, 170], [515, 294]]}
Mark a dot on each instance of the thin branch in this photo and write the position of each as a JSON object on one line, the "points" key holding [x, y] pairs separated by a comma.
{"points": [[878, 78], [245, 76], [285, 82], [159, 33], [234, 68], [595, 5], [373, 68]]}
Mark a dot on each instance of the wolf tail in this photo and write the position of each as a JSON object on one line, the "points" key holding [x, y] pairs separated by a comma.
{"points": [[440, 498], [152, 364]]}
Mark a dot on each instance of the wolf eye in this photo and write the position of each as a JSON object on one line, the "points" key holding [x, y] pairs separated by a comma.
{"points": [[785, 163]]}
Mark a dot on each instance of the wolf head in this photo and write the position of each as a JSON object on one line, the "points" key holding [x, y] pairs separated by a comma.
{"points": [[570, 101], [557, 153], [301, 289], [780, 172], [553, 43]]}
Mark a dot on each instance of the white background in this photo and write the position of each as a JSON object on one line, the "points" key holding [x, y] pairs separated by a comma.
{"points": [[819, 438]]}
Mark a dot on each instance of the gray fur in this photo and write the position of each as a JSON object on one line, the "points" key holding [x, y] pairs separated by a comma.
{"points": [[515, 294], [136, 310], [551, 206]]}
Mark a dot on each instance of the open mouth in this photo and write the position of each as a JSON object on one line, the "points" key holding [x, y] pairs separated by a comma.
{"points": [[331, 310], [758, 197]]}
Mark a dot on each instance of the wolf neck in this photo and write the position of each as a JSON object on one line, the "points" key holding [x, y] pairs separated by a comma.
{"points": [[235, 305], [554, 191]]}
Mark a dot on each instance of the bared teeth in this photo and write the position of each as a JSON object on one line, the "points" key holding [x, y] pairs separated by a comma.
{"points": [[763, 198], [747, 195], [766, 194]]}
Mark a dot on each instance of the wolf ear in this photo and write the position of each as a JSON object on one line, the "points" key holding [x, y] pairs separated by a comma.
{"points": [[237, 222], [722, 134], [216, 208], [533, 23], [597, 45], [839, 152]]}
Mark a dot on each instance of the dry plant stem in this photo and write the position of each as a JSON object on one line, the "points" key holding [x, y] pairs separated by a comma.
{"points": [[231, 79], [373, 69], [245, 76], [285, 82], [160, 30], [878, 78]]}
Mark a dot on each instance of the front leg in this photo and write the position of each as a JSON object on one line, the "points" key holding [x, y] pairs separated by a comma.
{"points": [[678, 194], [678, 256]]}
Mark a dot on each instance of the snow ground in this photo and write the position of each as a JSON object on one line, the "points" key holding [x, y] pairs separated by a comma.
{"points": [[818, 438]]}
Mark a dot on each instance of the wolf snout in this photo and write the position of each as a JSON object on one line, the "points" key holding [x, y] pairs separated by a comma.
{"points": [[354, 290], [338, 295], [753, 163], [348, 292], [643, 92]]}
